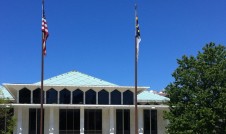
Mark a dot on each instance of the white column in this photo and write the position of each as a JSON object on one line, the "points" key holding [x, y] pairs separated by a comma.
{"points": [[161, 122], [84, 97], [58, 97], [109, 94], [132, 121], [18, 96], [105, 121], [112, 121], [121, 98], [82, 122], [140, 121], [19, 120], [51, 121], [71, 97], [97, 97], [31, 96]]}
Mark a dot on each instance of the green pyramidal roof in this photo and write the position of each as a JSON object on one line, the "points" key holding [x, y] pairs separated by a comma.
{"points": [[76, 78]]}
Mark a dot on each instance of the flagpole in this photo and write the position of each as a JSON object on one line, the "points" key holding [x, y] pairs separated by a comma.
{"points": [[136, 124], [42, 77], [137, 34], [136, 119]]}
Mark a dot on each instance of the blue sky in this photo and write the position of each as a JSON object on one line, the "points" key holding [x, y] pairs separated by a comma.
{"points": [[96, 37]]}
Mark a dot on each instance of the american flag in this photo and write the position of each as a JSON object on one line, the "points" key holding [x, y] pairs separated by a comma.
{"points": [[45, 34]]}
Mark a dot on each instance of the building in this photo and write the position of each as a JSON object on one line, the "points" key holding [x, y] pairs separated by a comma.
{"points": [[76, 103]]}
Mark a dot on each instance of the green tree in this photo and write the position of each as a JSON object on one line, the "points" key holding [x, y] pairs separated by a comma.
{"points": [[198, 94], [7, 121]]}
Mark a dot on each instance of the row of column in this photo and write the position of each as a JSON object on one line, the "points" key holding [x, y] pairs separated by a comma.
{"points": [[108, 121]]}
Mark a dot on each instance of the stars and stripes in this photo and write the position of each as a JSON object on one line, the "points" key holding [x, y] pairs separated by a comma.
{"points": [[45, 34]]}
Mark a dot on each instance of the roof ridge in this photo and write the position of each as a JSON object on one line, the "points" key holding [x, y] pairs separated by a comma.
{"points": [[76, 77]]}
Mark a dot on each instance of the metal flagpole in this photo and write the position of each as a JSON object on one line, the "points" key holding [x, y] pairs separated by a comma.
{"points": [[42, 76], [137, 41], [136, 124]]}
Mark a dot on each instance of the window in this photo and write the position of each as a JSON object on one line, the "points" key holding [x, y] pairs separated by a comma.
{"points": [[24, 96], [103, 97], [147, 122], [69, 121], [77, 97], [34, 121], [128, 97], [51, 96], [116, 97], [122, 121], [93, 121], [154, 121], [90, 97], [65, 96], [36, 96], [150, 121]]}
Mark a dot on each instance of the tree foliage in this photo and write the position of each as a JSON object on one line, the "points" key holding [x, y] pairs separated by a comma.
{"points": [[198, 94], [7, 121]]}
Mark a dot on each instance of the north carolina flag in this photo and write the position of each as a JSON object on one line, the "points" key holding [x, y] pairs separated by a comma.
{"points": [[137, 36]]}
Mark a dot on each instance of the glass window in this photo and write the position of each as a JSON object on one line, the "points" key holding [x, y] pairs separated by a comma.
{"points": [[34, 121], [116, 97], [103, 97], [24, 96], [69, 121], [119, 122], [154, 121], [65, 96], [77, 97], [93, 121], [147, 122], [90, 97], [122, 121], [51, 96], [150, 121], [36, 96], [128, 97]]}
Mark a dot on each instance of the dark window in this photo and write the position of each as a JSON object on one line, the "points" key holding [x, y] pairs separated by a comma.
{"points": [[119, 122], [126, 121], [69, 121], [77, 97], [93, 121], [154, 121], [34, 121], [65, 96], [122, 121], [150, 121], [103, 97], [90, 97], [116, 97], [24, 96], [128, 97], [147, 122], [51, 96], [36, 96]]}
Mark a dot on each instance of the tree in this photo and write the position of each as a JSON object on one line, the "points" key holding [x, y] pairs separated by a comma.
{"points": [[7, 121], [198, 94]]}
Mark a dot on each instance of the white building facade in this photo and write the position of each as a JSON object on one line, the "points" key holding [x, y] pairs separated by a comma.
{"points": [[75, 103]]}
